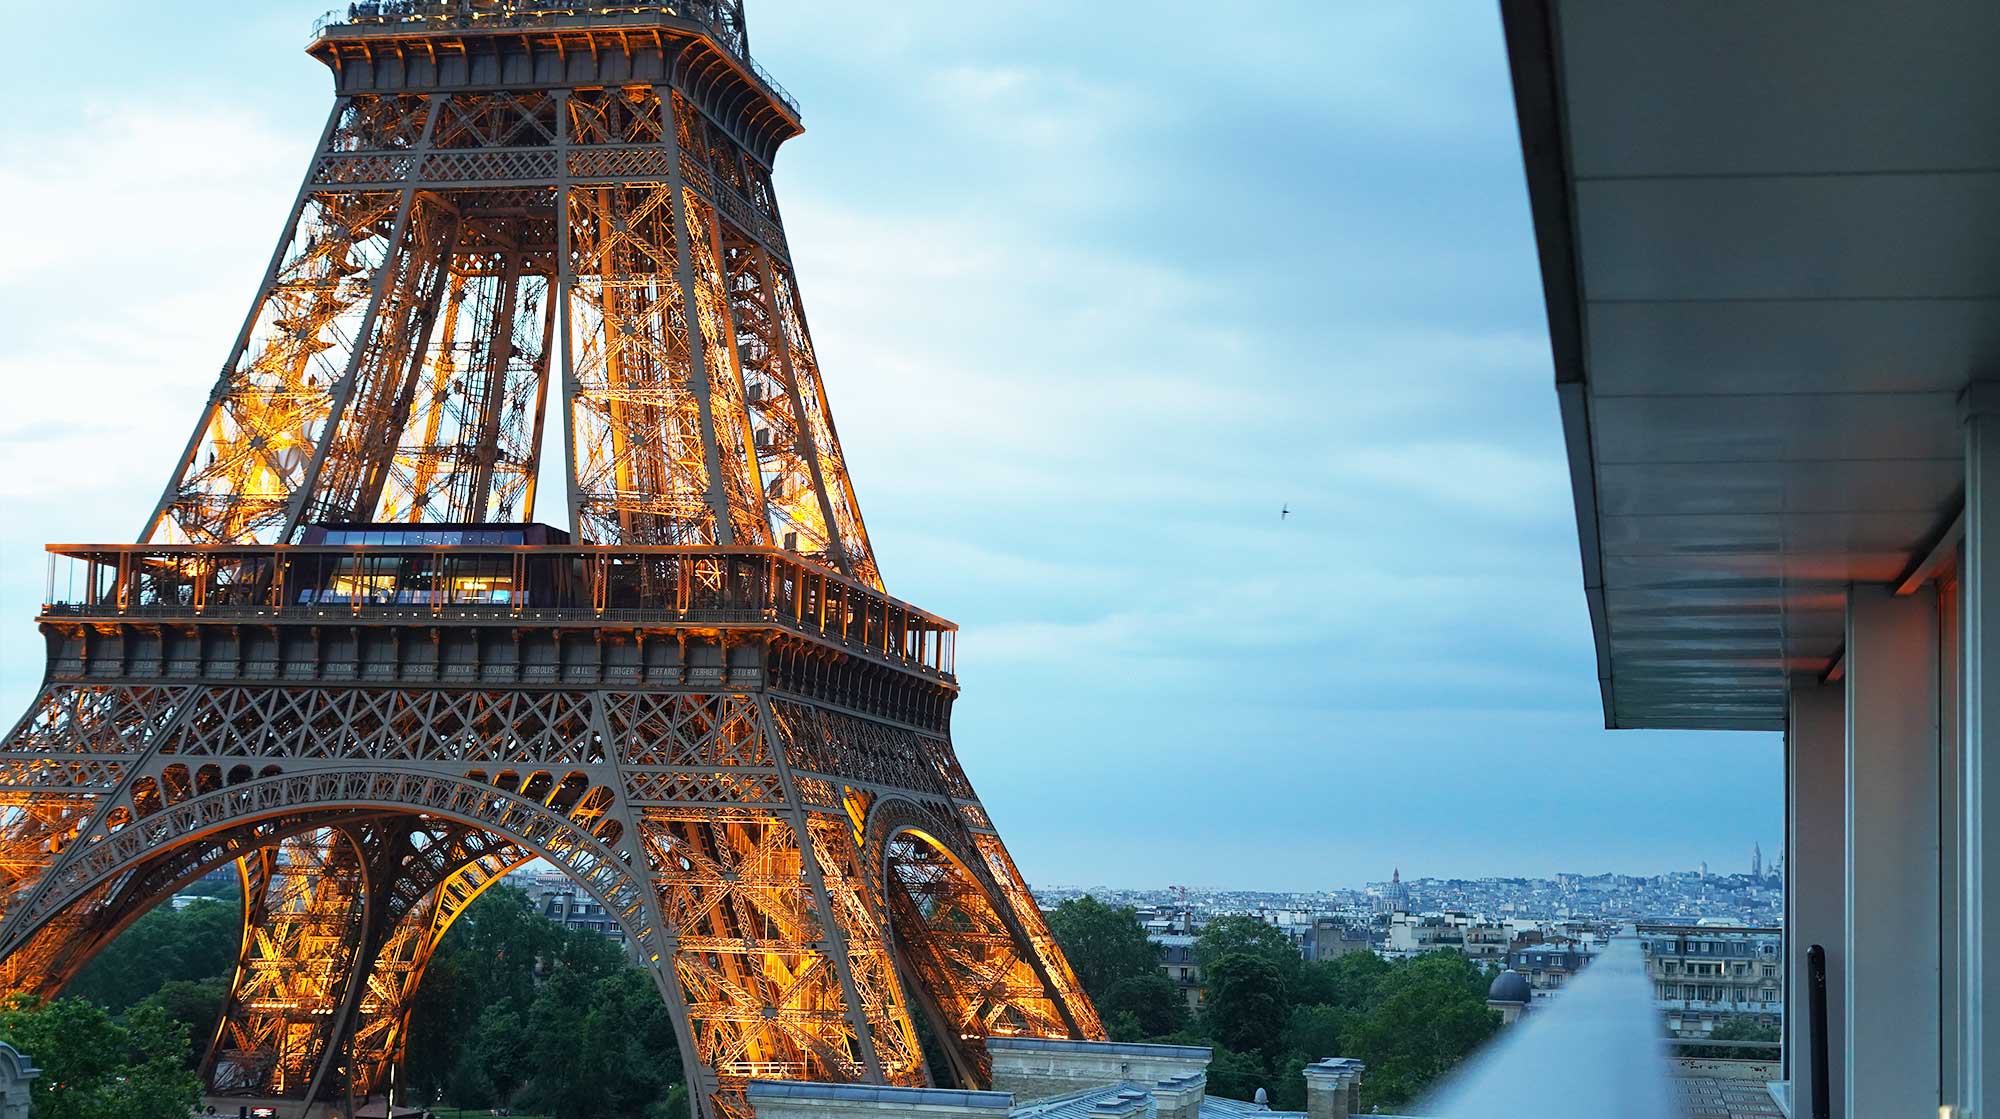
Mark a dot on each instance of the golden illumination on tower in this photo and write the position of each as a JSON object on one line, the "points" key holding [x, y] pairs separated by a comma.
{"points": [[536, 273]]}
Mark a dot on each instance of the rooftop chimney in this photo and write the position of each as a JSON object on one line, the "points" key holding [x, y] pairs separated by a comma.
{"points": [[1333, 1088]]}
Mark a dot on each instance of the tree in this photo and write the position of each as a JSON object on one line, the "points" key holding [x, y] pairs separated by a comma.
{"points": [[1235, 1076], [1155, 1006], [198, 942], [1248, 1001], [1431, 1013], [196, 1005], [503, 940], [1318, 1031], [494, 1064], [515, 1010], [674, 1106], [487, 963], [441, 1015], [1225, 935], [1348, 981], [1103, 944], [1288, 1084], [604, 1046], [97, 1068], [157, 1080]]}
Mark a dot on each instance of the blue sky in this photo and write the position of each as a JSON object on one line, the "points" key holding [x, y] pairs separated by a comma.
{"points": [[1098, 289]]}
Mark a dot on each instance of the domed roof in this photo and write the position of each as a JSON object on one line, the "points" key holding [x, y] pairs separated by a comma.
{"points": [[1509, 986]]}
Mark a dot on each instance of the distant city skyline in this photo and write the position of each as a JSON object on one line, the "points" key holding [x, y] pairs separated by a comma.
{"points": [[1408, 876], [1093, 310], [1683, 896]]}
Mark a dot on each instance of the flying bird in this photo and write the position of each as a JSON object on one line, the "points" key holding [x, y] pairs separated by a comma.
{"points": [[1285, 513]]}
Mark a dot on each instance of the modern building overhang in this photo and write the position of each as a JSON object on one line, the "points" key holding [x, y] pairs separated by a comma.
{"points": [[1770, 247]]}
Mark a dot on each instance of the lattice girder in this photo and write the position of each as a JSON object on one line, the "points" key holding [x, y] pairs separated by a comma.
{"points": [[445, 247], [328, 909], [724, 845], [555, 220]]}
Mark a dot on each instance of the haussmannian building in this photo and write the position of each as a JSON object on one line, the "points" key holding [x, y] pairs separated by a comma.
{"points": [[1549, 965], [1706, 975], [1178, 962], [1412, 934]]}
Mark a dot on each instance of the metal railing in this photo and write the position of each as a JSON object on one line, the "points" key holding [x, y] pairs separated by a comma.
{"points": [[1730, 1050], [471, 583], [716, 17]]}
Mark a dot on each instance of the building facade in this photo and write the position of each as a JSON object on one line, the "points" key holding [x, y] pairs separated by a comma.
{"points": [[1704, 976], [1549, 965], [1412, 934], [1333, 937], [1178, 962]]}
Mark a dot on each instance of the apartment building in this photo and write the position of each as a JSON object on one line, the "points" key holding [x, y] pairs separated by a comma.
{"points": [[1705, 975]]}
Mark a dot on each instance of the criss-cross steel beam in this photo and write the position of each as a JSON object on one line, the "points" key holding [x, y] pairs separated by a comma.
{"points": [[333, 662]]}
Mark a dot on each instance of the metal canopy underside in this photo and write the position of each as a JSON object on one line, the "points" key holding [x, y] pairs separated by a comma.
{"points": [[1770, 243]]}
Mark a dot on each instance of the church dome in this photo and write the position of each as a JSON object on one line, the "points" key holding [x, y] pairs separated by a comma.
{"points": [[1509, 986]]}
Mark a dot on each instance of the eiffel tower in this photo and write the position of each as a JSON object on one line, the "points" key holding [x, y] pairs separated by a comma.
{"points": [[343, 659]]}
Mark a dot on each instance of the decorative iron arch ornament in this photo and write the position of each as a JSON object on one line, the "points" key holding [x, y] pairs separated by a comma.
{"points": [[340, 659]]}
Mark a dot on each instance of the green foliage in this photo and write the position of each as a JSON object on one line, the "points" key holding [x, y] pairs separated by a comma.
{"points": [[1249, 1001], [1235, 1076], [1226, 935], [1288, 1084], [468, 1012], [196, 1005], [198, 942], [1431, 1012], [96, 1068], [1743, 1029], [1268, 1013], [1320, 1029], [1103, 945], [517, 1011], [675, 1106], [494, 1063], [1736, 1029], [1153, 1004], [1349, 980], [152, 995], [514, 1010], [1121, 1025], [598, 1045]]}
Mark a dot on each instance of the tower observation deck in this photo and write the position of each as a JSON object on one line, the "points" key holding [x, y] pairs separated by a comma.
{"points": [[343, 658], [720, 22]]}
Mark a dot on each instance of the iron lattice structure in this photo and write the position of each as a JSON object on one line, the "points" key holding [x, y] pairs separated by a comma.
{"points": [[338, 660]]}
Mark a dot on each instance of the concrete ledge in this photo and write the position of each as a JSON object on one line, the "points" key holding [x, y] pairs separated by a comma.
{"points": [[803, 1099], [996, 1045], [1036, 1068]]}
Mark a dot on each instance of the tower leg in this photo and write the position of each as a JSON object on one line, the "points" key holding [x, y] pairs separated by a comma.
{"points": [[382, 1024], [338, 926], [303, 905]]}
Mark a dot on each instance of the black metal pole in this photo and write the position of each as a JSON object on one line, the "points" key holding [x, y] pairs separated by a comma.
{"points": [[1822, 1107]]}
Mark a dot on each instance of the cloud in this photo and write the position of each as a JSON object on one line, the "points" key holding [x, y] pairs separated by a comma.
{"points": [[132, 252], [1467, 478], [1097, 289]]}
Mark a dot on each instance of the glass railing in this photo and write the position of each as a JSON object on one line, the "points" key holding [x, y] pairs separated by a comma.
{"points": [[1595, 1050]]}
